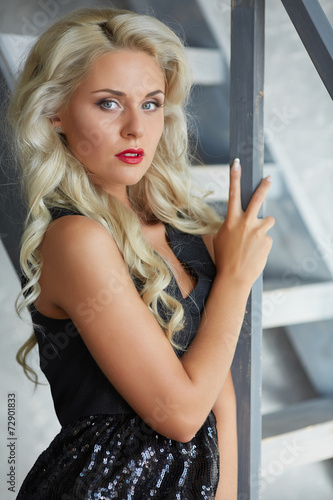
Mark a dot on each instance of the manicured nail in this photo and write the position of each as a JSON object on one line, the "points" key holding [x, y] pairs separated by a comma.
{"points": [[269, 178], [235, 166]]}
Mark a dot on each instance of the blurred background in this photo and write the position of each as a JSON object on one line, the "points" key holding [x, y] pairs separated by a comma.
{"points": [[297, 354]]}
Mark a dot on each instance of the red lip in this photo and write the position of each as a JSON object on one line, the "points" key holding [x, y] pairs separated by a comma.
{"points": [[132, 160]]}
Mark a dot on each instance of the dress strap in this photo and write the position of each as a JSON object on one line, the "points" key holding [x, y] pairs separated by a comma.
{"points": [[57, 212]]}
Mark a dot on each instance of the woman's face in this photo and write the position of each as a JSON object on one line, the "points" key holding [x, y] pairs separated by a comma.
{"points": [[115, 119]]}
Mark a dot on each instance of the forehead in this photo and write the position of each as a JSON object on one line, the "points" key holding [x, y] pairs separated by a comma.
{"points": [[128, 71]]}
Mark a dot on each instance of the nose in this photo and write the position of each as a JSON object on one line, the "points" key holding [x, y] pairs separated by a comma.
{"points": [[132, 124]]}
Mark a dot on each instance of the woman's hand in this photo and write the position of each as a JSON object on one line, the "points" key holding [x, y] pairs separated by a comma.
{"points": [[241, 245]]}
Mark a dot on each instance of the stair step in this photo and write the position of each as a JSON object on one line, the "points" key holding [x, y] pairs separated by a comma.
{"points": [[298, 304], [207, 65], [297, 435]]}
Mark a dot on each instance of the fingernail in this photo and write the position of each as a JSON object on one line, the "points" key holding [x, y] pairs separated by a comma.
{"points": [[236, 164], [269, 178]]}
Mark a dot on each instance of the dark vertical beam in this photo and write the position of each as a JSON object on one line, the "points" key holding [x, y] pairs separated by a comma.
{"points": [[247, 143], [316, 34], [12, 210]]}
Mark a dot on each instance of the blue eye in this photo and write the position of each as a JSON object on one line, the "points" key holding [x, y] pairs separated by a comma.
{"points": [[151, 106], [108, 104]]}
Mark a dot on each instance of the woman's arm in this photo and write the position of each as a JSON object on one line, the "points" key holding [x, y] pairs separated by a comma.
{"points": [[89, 280], [225, 412]]}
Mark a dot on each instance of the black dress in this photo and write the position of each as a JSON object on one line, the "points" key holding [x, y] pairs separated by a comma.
{"points": [[104, 450]]}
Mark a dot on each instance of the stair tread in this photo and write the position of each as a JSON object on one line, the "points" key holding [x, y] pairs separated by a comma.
{"points": [[308, 413]]}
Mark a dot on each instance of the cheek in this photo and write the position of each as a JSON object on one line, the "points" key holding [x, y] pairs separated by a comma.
{"points": [[88, 136], [158, 131]]}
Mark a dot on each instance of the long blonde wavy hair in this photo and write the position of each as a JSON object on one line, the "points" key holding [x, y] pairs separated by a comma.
{"points": [[54, 177]]}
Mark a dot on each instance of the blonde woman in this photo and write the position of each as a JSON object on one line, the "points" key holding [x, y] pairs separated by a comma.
{"points": [[135, 324]]}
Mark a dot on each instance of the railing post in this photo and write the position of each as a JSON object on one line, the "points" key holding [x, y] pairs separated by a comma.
{"points": [[247, 143], [316, 33]]}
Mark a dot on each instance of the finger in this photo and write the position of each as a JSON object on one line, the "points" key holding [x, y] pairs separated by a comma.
{"points": [[234, 204], [258, 197], [268, 223]]}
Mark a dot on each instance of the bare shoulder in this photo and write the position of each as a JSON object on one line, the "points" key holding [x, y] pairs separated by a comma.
{"points": [[75, 251], [70, 227], [73, 243], [76, 237], [208, 240]]}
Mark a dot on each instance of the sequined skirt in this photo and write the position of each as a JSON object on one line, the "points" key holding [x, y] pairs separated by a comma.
{"points": [[119, 456]]}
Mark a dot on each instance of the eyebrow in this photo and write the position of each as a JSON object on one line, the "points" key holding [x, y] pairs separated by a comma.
{"points": [[121, 94]]}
